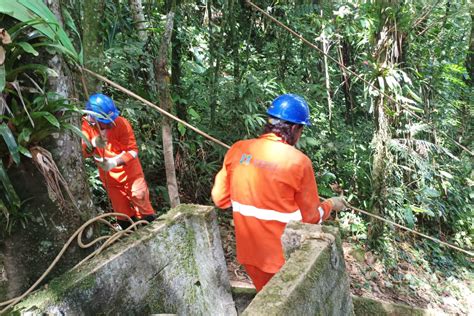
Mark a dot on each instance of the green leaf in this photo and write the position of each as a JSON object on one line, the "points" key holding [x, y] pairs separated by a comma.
{"points": [[194, 114], [10, 141], [328, 176], [29, 11], [43, 70], [48, 116], [78, 132], [409, 218], [2, 78], [446, 174], [28, 48], [181, 129], [10, 193], [420, 210], [381, 83], [312, 141], [24, 151], [24, 136], [430, 192]]}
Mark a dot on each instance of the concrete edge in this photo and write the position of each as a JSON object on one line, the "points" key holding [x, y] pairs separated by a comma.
{"points": [[369, 306]]}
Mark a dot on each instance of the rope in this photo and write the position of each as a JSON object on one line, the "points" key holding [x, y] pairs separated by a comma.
{"points": [[109, 239], [469, 253], [226, 146], [130, 93], [304, 40]]}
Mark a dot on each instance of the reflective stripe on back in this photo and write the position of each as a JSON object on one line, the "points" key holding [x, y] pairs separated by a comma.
{"points": [[266, 215]]}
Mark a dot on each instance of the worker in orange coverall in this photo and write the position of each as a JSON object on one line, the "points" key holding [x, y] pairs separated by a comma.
{"points": [[115, 152], [269, 182]]}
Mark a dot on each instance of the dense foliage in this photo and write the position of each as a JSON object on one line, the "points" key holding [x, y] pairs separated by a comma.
{"points": [[227, 62]]}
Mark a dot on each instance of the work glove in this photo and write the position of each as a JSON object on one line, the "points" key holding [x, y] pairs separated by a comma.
{"points": [[338, 203], [106, 164], [98, 142]]}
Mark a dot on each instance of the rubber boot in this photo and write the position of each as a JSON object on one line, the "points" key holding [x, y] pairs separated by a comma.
{"points": [[124, 224], [149, 218]]}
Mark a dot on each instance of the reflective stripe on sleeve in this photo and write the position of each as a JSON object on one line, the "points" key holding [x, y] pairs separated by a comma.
{"points": [[133, 153], [266, 215]]}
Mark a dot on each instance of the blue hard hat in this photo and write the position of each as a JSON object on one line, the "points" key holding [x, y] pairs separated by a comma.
{"points": [[291, 108], [103, 105]]}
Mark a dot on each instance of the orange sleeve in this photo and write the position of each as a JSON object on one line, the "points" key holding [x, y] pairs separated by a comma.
{"points": [[86, 131], [221, 189], [307, 198], [127, 141]]}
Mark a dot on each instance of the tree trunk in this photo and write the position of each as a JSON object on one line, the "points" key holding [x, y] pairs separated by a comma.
{"points": [[45, 227], [469, 62], [379, 185], [139, 19], [163, 80], [466, 134], [92, 41], [181, 110], [327, 79], [345, 60], [234, 42], [214, 62], [387, 54], [141, 25]]}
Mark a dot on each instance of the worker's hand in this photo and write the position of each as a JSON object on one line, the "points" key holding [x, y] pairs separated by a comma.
{"points": [[98, 142], [107, 164], [338, 203]]}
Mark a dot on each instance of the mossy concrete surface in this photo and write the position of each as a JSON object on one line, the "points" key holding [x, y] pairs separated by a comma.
{"points": [[313, 280], [174, 265], [364, 306], [243, 294]]}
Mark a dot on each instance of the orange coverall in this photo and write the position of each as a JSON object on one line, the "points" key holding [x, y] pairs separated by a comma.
{"points": [[268, 183], [125, 185]]}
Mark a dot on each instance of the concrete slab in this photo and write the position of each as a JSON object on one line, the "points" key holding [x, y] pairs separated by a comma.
{"points": [[174, 266]]}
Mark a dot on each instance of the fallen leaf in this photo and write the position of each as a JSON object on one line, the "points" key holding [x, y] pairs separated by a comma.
{"points": [[5, 37]]}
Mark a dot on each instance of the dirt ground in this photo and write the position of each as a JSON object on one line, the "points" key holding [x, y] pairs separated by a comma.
{"points": [[369, 278]]}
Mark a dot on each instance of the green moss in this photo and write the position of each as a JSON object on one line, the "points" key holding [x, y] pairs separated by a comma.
{"points": [[56, 290], [186, 210], [366, 306], [276, 299]]}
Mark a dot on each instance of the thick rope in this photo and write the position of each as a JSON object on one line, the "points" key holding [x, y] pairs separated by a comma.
{"points": [[139, 98], [130, 93], [469, 253], [310, 44], [380, 218], [108, 241]]}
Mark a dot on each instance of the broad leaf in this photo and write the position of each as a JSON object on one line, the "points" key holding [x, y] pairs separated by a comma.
{"points": [[10, 192], [29, 11], [48, 116], [78, 132], [2, 78], [28, 48], [10, 141], [24, 151]]}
